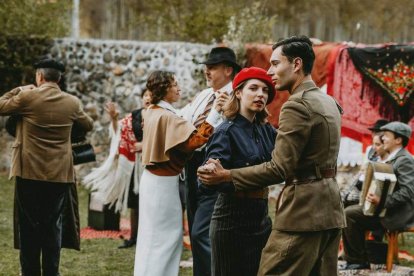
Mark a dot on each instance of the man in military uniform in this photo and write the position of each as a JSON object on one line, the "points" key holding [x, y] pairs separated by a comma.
{"points": [[399, 205], [309, 213]]}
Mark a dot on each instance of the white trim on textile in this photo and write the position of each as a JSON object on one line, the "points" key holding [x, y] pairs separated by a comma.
{"points": [[110, 182], [350, 153]]}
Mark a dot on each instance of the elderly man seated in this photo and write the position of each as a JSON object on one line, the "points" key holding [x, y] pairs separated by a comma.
{"points": [[399, 205]]}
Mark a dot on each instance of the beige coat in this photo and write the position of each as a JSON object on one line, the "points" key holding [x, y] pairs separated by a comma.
{"points": [[42, 148], [307, 142]]}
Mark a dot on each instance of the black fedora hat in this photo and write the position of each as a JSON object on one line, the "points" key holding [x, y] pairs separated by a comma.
{"points": [[222, 55], [378, 124], [49, 63]]}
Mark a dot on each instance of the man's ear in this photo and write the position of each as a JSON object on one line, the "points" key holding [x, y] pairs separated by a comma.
{"points": [[297, 64], [399, 140], [228, 71]]}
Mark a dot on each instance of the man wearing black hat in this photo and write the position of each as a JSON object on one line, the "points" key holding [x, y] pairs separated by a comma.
{"points": [[42, 163], [399, 205], [220, 68]]}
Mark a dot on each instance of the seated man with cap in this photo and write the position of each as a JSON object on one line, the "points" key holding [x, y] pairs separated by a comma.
{"points": [[42, 163], [399, 205]]}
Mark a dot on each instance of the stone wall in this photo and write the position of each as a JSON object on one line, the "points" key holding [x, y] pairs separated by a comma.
{"points": [[98, 71]]}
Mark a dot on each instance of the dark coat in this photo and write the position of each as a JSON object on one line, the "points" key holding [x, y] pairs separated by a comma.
{"points": [[70, 221], [400, 204]]}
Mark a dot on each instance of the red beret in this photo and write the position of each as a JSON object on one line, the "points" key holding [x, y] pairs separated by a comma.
{"points": [[255, 73]]}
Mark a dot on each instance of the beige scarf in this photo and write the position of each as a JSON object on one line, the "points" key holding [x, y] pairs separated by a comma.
{"points": [[163, 130]]}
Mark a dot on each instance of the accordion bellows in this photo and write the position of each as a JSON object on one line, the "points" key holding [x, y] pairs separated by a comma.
{"points": [[380, 180]]}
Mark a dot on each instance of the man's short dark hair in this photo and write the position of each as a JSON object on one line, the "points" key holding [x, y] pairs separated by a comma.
{"points": [[298, 46], [50, 74]]}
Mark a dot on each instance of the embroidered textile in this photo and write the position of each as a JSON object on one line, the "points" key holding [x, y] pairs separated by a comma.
{"points": [[390, 66]]}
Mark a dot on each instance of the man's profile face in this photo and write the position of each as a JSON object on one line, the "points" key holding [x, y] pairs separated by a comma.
{"points": [[281, 70], [217, 75], [390, 142]]}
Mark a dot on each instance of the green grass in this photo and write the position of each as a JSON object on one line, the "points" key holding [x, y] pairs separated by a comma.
{"points": [[97, 256]]}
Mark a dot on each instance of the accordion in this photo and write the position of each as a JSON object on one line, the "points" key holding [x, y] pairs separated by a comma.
{"points": [[379, 180]]}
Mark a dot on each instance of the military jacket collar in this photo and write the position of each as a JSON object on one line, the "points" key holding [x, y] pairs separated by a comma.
{"points": [[306, 85]]}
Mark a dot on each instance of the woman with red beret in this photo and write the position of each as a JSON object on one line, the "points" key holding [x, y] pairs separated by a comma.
{"points": [[240, 224]]}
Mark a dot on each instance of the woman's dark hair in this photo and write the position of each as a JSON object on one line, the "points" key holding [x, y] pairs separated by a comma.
{"points": [[298, 46], [158, 83]]}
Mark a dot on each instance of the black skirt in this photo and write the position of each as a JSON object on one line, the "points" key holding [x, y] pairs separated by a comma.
{"points": [[239, 230]]}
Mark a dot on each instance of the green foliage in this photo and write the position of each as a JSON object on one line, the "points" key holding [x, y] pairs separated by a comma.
{"points": [[35, 17], [252, 24], [17, 55]]}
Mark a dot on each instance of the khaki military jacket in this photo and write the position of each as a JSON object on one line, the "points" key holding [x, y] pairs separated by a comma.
{"points": [[307, 143], [42, 148]]}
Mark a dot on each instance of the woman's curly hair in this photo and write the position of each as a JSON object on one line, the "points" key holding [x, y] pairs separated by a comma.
{"points": [[158, 83]]}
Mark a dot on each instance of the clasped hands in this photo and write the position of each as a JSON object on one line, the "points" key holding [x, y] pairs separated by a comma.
{"points": [[213, 173]]}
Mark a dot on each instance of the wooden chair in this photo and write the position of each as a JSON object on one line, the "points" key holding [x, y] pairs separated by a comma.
{"points": [[392, 253]]}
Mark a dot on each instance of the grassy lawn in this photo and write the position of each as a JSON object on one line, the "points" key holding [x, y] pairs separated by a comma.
{"points": [[98, 256]]}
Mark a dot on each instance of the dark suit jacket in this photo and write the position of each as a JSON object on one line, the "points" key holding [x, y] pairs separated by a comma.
{"points": [[400, 204]]}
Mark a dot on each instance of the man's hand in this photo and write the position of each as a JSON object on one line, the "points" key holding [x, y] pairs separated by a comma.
{"points": [[374, 199], [27, 87], [220, 101], [213, 173], [110, 107]]}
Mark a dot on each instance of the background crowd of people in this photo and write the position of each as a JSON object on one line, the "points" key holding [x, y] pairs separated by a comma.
{"points": [[226, 153]]}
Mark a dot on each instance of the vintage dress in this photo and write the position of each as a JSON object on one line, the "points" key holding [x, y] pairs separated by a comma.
{"points": [[239, 227], [168, 142]]}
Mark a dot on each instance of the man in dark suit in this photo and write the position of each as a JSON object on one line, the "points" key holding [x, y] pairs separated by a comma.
{"points": [[399, 205], [42, 163], [309, 213]]}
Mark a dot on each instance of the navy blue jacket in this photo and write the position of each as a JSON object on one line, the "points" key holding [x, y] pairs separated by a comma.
{"points": [[239, 143]]}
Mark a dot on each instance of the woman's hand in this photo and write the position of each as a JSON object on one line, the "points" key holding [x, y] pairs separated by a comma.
{"points": [[138, 147], [110, 107]]}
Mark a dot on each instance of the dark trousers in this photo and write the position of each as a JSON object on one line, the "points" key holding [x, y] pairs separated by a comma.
{"points": [[354, 234], [40, 206], [200, 238], [191, 186]]}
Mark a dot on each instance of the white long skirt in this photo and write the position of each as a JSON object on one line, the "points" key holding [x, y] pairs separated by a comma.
{"points": [[160, 240]]}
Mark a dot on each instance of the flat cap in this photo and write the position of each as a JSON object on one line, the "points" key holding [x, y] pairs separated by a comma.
{"points": [[49, 63], [399, 128]]}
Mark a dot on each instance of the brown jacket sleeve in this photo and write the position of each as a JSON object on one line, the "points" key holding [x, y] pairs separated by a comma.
{"points": [[11, 102], [82, 119], [293, 135], [197, 139]]}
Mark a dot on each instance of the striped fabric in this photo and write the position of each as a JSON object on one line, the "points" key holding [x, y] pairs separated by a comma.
{"points": [[202, 117], [239, 230]]}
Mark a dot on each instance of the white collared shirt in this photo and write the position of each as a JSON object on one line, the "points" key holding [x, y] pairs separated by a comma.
{"points": [[167, 106], [393, 154], [192, 110]]}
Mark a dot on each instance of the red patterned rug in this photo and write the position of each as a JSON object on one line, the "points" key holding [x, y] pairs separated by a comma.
{"points": [[123, 233]]}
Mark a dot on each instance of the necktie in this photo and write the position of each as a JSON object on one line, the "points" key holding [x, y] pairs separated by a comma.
{"points": [[202, 117]]}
